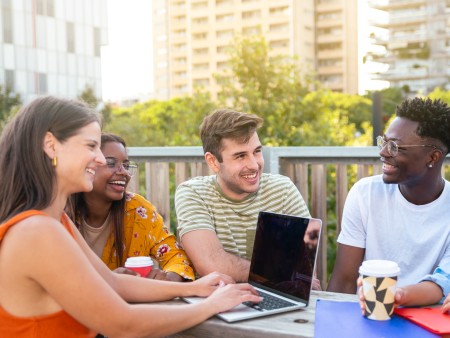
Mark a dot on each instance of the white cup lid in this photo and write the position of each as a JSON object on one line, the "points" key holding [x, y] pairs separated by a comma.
{"points": [[138, 261], [379, 268]]}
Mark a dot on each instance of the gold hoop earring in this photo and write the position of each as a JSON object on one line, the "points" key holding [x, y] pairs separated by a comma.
{"points": [[54, 161]]}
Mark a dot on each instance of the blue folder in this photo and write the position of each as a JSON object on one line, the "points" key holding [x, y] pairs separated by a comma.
{"points": [[343, 319]]}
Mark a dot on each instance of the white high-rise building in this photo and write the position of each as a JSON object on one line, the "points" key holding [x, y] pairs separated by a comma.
{"points": [[52, 46], [191, 39], [414, 41]]}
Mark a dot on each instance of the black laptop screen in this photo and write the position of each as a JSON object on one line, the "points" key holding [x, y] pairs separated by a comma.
{"points": [[284, 253]]}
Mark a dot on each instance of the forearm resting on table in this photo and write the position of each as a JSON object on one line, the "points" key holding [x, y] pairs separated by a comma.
{"points": [[342, 284], [224, 262], [137, 289], [424, 293]]}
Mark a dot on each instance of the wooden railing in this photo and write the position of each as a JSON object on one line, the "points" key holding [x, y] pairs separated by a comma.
{"points": [[323, 175]]}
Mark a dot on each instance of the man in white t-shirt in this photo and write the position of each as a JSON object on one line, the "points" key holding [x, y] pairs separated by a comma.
{"points": [[403, 215]]}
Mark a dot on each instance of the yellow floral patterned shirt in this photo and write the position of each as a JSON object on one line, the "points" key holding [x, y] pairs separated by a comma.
{"points": [[145, 234]]}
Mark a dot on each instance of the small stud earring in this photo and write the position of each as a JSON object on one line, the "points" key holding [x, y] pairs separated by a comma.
{"points": [[430, 166], [54, 161]]}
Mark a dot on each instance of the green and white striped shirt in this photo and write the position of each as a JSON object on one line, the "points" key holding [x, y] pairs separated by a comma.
{"points": [[201, 205]]}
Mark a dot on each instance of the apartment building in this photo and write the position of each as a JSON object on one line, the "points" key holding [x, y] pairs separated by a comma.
{"points": [[414, 41], [190, 39], [52, 46]]}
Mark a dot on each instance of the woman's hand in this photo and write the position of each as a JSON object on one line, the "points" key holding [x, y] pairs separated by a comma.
{"points": [[226, 297], [206, 285]]}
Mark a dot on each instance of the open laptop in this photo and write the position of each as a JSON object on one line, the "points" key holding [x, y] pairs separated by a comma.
{"points": [[282, 266]]}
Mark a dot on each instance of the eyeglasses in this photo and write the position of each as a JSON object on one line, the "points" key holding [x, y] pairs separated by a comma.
{"points": [[129, 167], [393, 147]]}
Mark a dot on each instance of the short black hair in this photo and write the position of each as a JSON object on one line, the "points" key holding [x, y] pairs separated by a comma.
{"points": [[433, 117]]}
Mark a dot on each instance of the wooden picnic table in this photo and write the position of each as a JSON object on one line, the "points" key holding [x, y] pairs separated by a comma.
{"points": [[295, 324]]}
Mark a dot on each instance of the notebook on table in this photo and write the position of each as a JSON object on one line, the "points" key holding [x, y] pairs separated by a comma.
{"points": [[431, 319], [342, 319], [282, 266]]}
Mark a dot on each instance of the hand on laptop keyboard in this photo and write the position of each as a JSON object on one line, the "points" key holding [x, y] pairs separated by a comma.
{"points": [[269, 302]]}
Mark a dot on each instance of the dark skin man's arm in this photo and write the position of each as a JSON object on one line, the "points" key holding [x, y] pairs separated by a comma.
{"points": [[345, 271]]}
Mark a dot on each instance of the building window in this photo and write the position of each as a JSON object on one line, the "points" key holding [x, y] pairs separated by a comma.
{"points": [[181, 75], [251, 15], [222, 49], [45, 7], [275, 28], [50, 8], [251, 30], [200, 5], [201, 66], [40, 7], [9, 79], [200, 51], [279, 44], [70, 35], [200, 21], [42, 89], [279, 11], [220, 3], [7, 25], [97, 41], [201, 82], [222, 65], [180, 61], [200, 36], [227, 34], [225, 18]]}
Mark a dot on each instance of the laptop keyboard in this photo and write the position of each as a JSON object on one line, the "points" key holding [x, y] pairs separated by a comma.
{"points": [[269, 302]]}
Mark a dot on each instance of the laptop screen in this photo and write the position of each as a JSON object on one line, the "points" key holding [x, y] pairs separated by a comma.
{"points": [[284, 254]]}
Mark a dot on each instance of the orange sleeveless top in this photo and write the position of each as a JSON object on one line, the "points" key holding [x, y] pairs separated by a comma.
{"points": [[58, 324]]}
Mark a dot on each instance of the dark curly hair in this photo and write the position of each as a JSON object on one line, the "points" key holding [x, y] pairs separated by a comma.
{"points": [[433, 117]]}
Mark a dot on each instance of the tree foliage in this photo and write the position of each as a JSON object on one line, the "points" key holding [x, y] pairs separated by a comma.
{"points": [[163, 123], [390, 99], [89, 97], [439, 93], [269, 86], [277, 89], [9, 104]]}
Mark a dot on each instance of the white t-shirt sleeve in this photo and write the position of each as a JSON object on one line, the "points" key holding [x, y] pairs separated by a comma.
{"points": [[353, 230]]}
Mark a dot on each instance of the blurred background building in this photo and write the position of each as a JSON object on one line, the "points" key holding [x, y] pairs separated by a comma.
{"points": [[190, 39], [414, 41], [52, 46]]}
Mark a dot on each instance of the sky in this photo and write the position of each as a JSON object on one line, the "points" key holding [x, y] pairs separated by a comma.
{"points": [[127, 59]]}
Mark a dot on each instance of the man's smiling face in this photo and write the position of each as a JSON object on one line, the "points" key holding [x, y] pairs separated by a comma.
{"points": [[239, 172]]}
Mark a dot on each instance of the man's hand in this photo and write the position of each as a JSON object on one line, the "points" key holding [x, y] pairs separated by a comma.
{"points": [[399, 296], [126, 271], [162, 275]]}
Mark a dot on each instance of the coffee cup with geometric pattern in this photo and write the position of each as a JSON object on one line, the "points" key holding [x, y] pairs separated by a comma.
{"points": [[379, 278]]}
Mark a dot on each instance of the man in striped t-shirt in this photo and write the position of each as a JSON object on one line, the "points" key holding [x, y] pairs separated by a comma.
{"points": [[216, 214]]}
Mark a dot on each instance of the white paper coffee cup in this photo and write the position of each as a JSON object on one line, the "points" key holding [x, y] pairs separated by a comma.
{"points": [[141, 264]]}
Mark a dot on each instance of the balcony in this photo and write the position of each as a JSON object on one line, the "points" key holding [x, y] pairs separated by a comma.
{"points": [[384, 5], [322, 174]]}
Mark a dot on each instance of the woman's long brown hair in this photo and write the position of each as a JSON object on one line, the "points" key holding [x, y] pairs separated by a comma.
{"points": [[27, 177]]}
